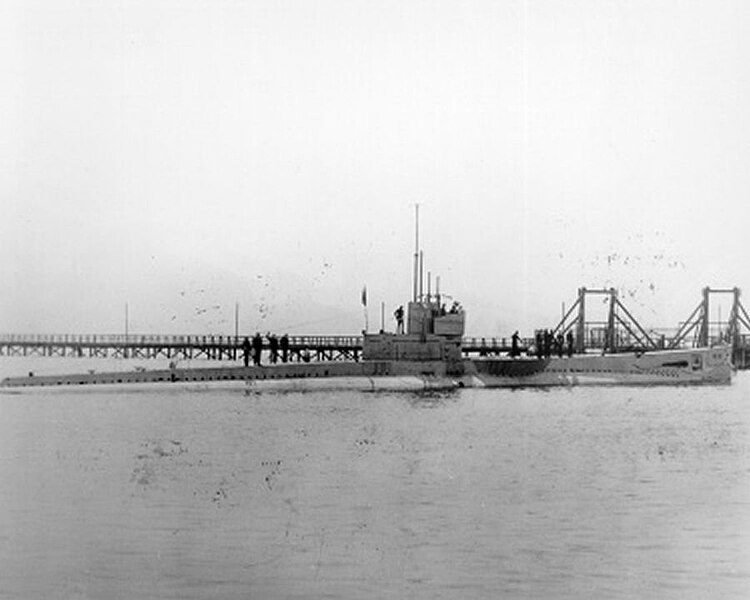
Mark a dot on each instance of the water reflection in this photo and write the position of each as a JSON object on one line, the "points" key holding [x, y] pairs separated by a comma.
{"points": [[431, 399]]}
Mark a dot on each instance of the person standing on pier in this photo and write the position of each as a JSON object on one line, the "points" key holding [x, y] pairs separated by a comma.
{"points": [[569, 339], [273, 344], [284, 343], [246, 351], [257, 348]]}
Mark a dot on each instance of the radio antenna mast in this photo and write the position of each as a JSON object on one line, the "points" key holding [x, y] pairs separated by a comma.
{"points": [[416, 252]]}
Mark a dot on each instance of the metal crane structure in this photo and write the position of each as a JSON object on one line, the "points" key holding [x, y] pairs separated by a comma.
{"points": [[620, 332], [736, 330]]}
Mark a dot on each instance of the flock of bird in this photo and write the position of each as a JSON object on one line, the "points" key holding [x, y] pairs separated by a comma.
{"points": [[215, 314]]}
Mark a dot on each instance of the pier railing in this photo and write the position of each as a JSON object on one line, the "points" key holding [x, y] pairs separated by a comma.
{"points": [[212, 347], [172, 340], [228, 347]]}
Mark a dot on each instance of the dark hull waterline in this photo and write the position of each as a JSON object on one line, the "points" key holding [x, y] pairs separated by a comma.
{"points": [[674, 367]]}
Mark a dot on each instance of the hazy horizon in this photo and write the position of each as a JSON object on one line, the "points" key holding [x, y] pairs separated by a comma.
{"points": [[182, 157]]}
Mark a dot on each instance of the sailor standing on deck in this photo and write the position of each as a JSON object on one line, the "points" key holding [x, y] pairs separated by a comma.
{"points": [[514, 351], [399, 314], [560, 345]]}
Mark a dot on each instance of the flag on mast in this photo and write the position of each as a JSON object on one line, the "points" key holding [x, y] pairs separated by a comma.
{"points": [[364, 296]]}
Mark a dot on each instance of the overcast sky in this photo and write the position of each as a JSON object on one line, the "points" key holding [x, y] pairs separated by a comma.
{"points": [[183, 156]]}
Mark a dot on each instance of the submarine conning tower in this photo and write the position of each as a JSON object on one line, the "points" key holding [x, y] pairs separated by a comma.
{"points": [[432, 334]]}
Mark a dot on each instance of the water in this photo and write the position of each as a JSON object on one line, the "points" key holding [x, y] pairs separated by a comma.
{"points": [[569, 493]]}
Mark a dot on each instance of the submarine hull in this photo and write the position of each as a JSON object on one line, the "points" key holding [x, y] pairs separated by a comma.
{"points": [[669, 367], [673, 367]]}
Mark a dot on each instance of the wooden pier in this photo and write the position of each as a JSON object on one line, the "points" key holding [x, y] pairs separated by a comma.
{"points": [[304, 348], [621, 332], [177, 347]]}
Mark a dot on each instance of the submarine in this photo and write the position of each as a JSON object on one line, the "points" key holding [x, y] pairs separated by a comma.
{"points": [[427, 355]]}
